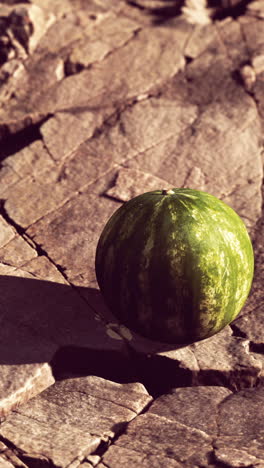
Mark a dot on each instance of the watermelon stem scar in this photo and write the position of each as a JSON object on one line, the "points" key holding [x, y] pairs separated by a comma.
{"points": [[167, 192]]}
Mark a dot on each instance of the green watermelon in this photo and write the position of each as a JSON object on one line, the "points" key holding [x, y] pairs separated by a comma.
{"points": [[175, 266]]}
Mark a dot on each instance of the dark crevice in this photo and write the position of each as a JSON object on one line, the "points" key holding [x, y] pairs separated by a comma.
{"points": [[22, 232], [102, 448], [35, 462], [166, 13], [229, 8], [256, 347], [9, 220], [136, 5], [71, 68], [158, 374], [119, 429], [236, 75], [11, 143], [42, 252], [188, 59], [170, 10], [8, 444], [237, 332], [235, 381], [216, 463], [19, 229], [14, 2], [217, 10]]}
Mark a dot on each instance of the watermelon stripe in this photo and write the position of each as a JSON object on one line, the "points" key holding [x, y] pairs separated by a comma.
{"points": [[175, 266]]}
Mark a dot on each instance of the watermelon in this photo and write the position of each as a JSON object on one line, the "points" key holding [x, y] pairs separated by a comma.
{"points": [[175, 266]]}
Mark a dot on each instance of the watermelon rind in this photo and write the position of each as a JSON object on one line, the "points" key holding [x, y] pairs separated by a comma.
{"points": [[175, 265]]}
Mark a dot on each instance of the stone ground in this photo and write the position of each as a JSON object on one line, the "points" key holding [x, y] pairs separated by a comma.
{"points": [[102, 100]]}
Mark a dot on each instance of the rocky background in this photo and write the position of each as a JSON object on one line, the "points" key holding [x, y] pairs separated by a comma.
{"points": [[101, 100]]}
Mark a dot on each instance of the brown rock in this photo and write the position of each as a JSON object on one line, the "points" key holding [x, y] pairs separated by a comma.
{"points": [[132, 182], [24, 26], [248, 76], [31, 167], [50, 312], [43, 268], [71, 418], [68, 245], [237, 458], [201, 38], [251, 325], [17, 252], [89, 88], [101, 38], [232, 363], [62, 446], [7, 233], [108, 98], [41, 20], [195, 407], [19, 383], [133, 458], [55, 6], [41, 317], [80, 170], [230, 34], [250, 322], [143, 127], [235, 420], [156, 436], [64, 132], [211, 146], [26, 207], [253, 33], [5, 463], [23, 372], [34, 159], [195, 179], [91, 460], [241, 424], [153, 63], [256, 8], [7, 178]]}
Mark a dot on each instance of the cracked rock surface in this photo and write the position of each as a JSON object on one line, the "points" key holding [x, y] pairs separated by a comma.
{"points": [[99, 102]]}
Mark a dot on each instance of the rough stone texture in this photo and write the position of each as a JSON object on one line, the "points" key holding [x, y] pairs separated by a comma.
{"points": [[154, 435], [19, 383], [100, 101], [243, 410], [56, 234], [5, 463], [71, 417], [232, 365], [64, 132], [200, 406], [135, 458], [225, 426], [7, 232], [41, 316], [17, 252], [22, 375], [125, 188]]}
